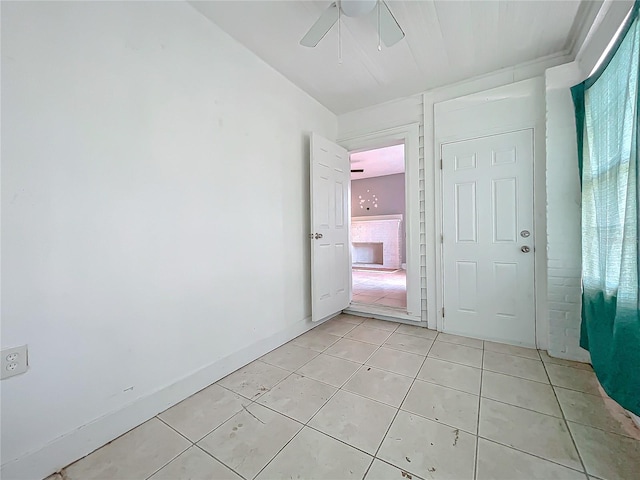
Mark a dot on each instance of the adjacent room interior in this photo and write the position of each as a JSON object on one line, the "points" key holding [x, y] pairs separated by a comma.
{"points": [[354, 239], [378, 251]]}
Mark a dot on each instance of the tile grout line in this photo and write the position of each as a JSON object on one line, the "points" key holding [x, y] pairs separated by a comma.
{"points": [[172, 459], [254, 400], [476, 459], [566, 423], [306, 424], [509, 447], [398, 409], [218, 460]]}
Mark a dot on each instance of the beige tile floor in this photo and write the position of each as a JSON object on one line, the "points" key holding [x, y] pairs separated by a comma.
{"points": [[380, 287], [362, 398]]}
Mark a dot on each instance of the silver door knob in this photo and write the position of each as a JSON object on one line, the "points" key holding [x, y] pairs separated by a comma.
{"points": [[525, 249], [318, 235]]}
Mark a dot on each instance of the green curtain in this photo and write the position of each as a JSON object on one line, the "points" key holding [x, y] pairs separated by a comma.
{"points": [[607, 110]]}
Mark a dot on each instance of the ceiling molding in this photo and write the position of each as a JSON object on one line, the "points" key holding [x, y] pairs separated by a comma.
{"points": [[585, 18]]}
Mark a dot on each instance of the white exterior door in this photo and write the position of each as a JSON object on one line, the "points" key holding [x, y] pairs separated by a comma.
{"points": [[488, 243], [330, 249]]}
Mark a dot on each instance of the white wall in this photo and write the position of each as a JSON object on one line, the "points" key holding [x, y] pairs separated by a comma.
{"points": [[563, 185], [154, 217]]}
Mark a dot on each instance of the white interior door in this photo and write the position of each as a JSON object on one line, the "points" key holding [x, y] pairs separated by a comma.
{"points": [[330, 249], [488, 259]]}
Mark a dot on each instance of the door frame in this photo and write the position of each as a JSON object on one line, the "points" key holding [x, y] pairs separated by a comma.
{"points": [[409, 135], [440, 221], [515, 105]]}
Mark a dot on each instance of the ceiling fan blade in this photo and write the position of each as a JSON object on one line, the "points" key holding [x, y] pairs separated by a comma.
{"points": [[390, 30], [322, 26]]}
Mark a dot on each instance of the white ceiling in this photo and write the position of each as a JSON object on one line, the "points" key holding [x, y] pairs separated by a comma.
{"points": [[378, 162], [446, 41]]}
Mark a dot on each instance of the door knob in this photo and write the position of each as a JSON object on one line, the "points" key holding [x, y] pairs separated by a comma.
{"points": [[318, 235], [525, 249]]}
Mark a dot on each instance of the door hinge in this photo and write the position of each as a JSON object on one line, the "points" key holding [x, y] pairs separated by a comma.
{"points": [[440, 164], [311, 235], [442, 312], [441, 238]]}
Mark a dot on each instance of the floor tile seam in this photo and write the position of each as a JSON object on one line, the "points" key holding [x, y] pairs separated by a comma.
{"points": [[347, 359], [460, 344], [395, 466], [413, 335], [492, 440], [306, 425], [341, 358], [456, 363], [451, 361], [337, 389], [178, 431], [172, 459], [564, 419], [578, 391], [215, 458], [340, 440], [521, 407], [390, 371], [515, 355], [287, 369], [290, 374], [405, 351], [475, 460], [391, 332], [244, 407], [401, 403], [447, 386], [440, 422], [370, 398], [636, 440], [218, 460], [276, 454], [359, 341], [515, 376], [370, 343]]}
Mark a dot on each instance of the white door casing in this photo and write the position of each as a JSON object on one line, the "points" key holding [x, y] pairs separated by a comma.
{"points": [[409, 135], [330, 243], [487, 199]]}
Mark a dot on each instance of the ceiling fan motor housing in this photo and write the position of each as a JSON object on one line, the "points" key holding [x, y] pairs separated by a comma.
{"points": [[357, 8]]}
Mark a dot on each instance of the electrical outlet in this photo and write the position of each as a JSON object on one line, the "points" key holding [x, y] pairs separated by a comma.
{"points": [[14, 361]]}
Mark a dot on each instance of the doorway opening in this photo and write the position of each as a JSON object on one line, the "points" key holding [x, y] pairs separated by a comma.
{"points": [[378, 232]]}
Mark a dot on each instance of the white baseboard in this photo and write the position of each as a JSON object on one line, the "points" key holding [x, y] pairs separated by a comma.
{"points": [[84, 440]]}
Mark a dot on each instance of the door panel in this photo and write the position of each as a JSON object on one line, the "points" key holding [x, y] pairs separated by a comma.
{"points": [[487, 201], [330, 262]]}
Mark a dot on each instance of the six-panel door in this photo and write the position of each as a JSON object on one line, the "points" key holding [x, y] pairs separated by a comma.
{"points": [[488, 260], [330, 252]]}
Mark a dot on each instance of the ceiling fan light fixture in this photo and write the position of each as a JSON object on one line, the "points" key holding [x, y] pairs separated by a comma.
{"points": [[357, 8]]}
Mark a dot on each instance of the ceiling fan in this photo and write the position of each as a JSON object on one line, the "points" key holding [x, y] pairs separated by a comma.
{"points": [[388, 29]]}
